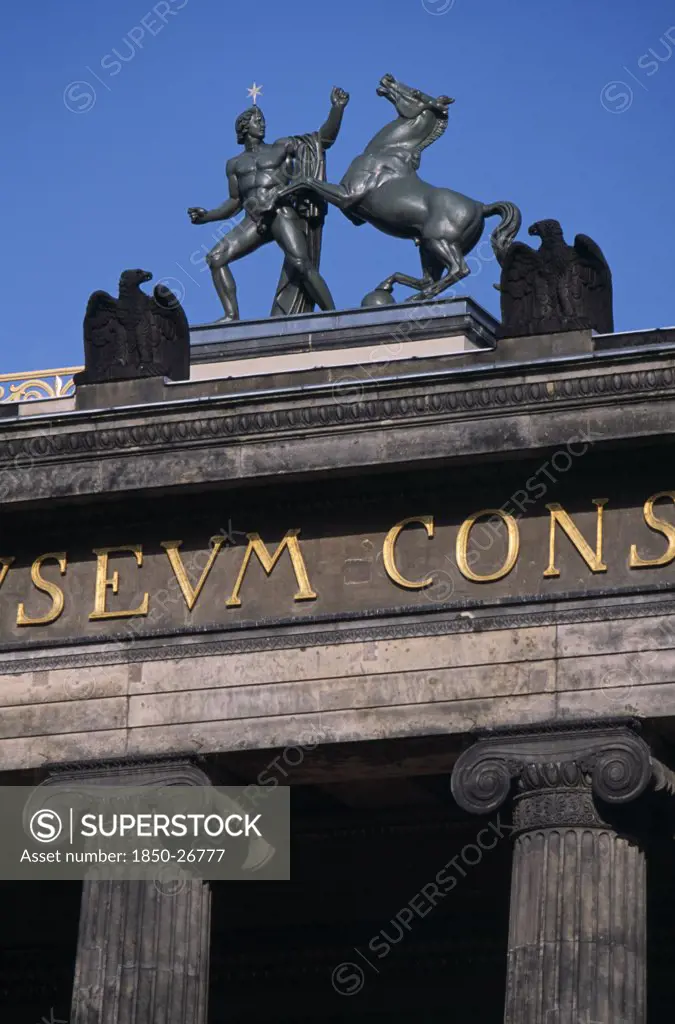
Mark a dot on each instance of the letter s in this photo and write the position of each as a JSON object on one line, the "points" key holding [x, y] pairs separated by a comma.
{"points": [[273, 781], [88, 823], [541, 493], [443, 881], [651, 63], [373, 946], [109, 66]]}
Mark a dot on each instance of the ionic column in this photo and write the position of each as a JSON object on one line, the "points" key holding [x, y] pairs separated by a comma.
{"points": [[143, 947], [142, 954], [577, 932]]}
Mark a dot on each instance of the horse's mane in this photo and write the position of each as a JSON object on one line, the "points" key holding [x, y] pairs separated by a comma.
{"points": [[436, 132]]}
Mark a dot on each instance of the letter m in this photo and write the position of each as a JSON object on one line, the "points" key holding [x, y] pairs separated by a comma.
{"points": [[268, 561]]}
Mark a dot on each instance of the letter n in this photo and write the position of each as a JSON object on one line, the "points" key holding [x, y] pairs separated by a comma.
{"points": [[593, 559]]}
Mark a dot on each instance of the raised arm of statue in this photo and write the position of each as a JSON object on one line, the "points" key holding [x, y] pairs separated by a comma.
{"points": [[329, 131], [231, 206]]}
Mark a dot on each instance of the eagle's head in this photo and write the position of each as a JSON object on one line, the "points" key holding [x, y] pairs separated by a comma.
{"points": [[548, 230], [129, 278]]}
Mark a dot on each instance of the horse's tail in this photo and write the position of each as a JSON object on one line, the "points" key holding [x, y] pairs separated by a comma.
{"points": [[507, 229]]}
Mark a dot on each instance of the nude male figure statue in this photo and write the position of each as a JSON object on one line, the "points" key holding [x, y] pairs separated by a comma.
{"points": [[256, 176]]}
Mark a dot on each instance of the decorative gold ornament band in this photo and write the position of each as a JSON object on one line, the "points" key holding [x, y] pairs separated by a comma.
{"points": [[40, 384]]}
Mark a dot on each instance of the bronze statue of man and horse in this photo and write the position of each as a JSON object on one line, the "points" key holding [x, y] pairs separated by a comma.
{"points": [[382, 188], [282, 192]]}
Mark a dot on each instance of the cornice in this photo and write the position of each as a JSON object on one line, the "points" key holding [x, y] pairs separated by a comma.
{"points": [[213, 422]]}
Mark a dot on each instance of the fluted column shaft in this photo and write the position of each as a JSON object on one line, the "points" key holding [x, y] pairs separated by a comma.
{"points": [[577, 930], [143, 947], [142, 955], [577, 949]]}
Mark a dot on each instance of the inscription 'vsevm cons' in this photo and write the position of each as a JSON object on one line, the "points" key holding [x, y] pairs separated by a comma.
{"points": [[560, 526]]}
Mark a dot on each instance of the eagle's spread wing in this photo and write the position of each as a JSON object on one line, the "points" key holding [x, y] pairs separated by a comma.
{"points": [[104, 332], [590, 283], [520, 266], [166, 329]]}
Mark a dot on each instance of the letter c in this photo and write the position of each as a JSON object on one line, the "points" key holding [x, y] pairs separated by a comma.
{"points": [[389, 552]]}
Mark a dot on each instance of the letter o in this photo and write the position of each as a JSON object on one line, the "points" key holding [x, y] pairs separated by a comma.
{"points": [[219, 822], [565, 455], [463, 543]]}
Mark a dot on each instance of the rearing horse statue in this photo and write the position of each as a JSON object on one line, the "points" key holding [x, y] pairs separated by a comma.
{"points": [[382, 188]]}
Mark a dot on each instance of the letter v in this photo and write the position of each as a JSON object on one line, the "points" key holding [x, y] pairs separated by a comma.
{"points": [[190, 593], [5, 563]]}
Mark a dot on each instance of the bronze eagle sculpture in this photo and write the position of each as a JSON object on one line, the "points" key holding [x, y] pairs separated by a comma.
{"points": [[135, 335], [557, 287]]}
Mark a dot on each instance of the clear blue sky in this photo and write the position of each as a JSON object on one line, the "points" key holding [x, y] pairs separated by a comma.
{"points": [[88, 192]]}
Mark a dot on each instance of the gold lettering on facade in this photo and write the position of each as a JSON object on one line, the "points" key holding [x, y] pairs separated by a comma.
{"points": [[46, 587], [103, 582], [189, 592], [654, 522], [5, 564], [257, 546], [389, 552], [461, 547], [593, 559]]}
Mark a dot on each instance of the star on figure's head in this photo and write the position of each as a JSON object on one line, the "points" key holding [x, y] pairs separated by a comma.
{"points": [[254, 92]]}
